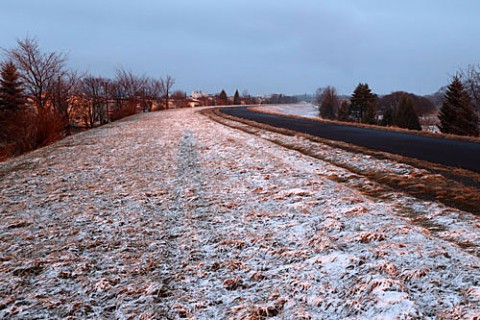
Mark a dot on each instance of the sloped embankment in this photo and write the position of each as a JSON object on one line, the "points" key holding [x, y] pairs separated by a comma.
{"points": [[172, 215]]}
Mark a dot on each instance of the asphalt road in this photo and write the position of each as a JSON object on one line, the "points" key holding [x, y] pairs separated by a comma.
{"points": [[447, 152]]}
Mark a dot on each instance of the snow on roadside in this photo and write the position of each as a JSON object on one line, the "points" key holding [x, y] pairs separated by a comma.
{"points": [[303, 109], [173, 215]]}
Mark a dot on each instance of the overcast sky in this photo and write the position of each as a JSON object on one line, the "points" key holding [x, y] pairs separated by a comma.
{"points": [[263, 46]]}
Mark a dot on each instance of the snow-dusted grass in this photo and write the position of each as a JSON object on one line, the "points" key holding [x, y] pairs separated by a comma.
{"points": [[303, 109], [452, 186], [172, 215]]}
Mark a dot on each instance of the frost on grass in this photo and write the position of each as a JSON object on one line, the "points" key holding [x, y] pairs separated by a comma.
{"points": [[171, 215], [302, 109]]}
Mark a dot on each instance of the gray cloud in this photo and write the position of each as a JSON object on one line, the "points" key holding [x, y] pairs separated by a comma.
{"points": [[263, 46]]}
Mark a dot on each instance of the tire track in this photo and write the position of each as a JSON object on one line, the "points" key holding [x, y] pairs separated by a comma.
{"points": [[189, 228]]}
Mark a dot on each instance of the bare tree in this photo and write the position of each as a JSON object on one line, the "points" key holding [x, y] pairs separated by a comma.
{"points": [[40, 72], [180, 99], [471, 80], [329, 102], [150, 92], [129, 88], [318, 97], [422, 105], [344, 111], [115, 93], [166, 86], [94, 90], [65, 88], [154, 89], [130, 84]]}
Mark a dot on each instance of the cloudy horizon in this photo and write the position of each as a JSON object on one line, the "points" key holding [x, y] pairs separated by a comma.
{"points": [[262, 47]]}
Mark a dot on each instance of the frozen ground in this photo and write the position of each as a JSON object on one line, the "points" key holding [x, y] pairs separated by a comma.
{"points": [[303, 109], [171, 215]]}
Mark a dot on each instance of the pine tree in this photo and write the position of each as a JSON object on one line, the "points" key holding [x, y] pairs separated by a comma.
{"points": [[457, 115], [369, 116], [406, 116], [222, 98], [363, 104], [236, 98], [13, 120], [11, 91], [388, 117]]}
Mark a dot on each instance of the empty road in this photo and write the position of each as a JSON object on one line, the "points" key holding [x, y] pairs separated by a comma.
{"points": [[447, 152]]}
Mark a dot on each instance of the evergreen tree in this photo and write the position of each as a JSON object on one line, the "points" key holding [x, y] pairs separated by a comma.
{"points": [[363, 104], [11, 91], [457, 115], [369, 116], [236, 98], [222, 98], [13, 120], [406, 116], [388, 117]]}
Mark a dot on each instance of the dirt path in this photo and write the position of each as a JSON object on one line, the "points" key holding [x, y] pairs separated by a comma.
{"points": [[171, 215]]}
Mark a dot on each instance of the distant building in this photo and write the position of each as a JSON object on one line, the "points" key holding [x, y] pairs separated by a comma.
{"points": [[199, 95]]}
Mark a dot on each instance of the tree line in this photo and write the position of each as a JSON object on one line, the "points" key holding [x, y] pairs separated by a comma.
{"points": [[458, 113], [41, 100]]}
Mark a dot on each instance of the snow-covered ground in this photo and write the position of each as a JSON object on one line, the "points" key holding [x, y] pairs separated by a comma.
{"points": [[303, 109], [172, 215]]}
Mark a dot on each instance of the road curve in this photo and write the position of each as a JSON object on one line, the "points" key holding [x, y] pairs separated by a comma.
{"points": [[453, 153]]}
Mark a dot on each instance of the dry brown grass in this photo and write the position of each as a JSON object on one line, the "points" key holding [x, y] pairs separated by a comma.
{"points": [[237, 244], [233, 283], [234, 264], [258, 312], [387, 268], [408, 275], [367, 237]]}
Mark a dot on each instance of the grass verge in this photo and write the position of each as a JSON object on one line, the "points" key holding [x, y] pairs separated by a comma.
{"points": [[454, 187]]}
